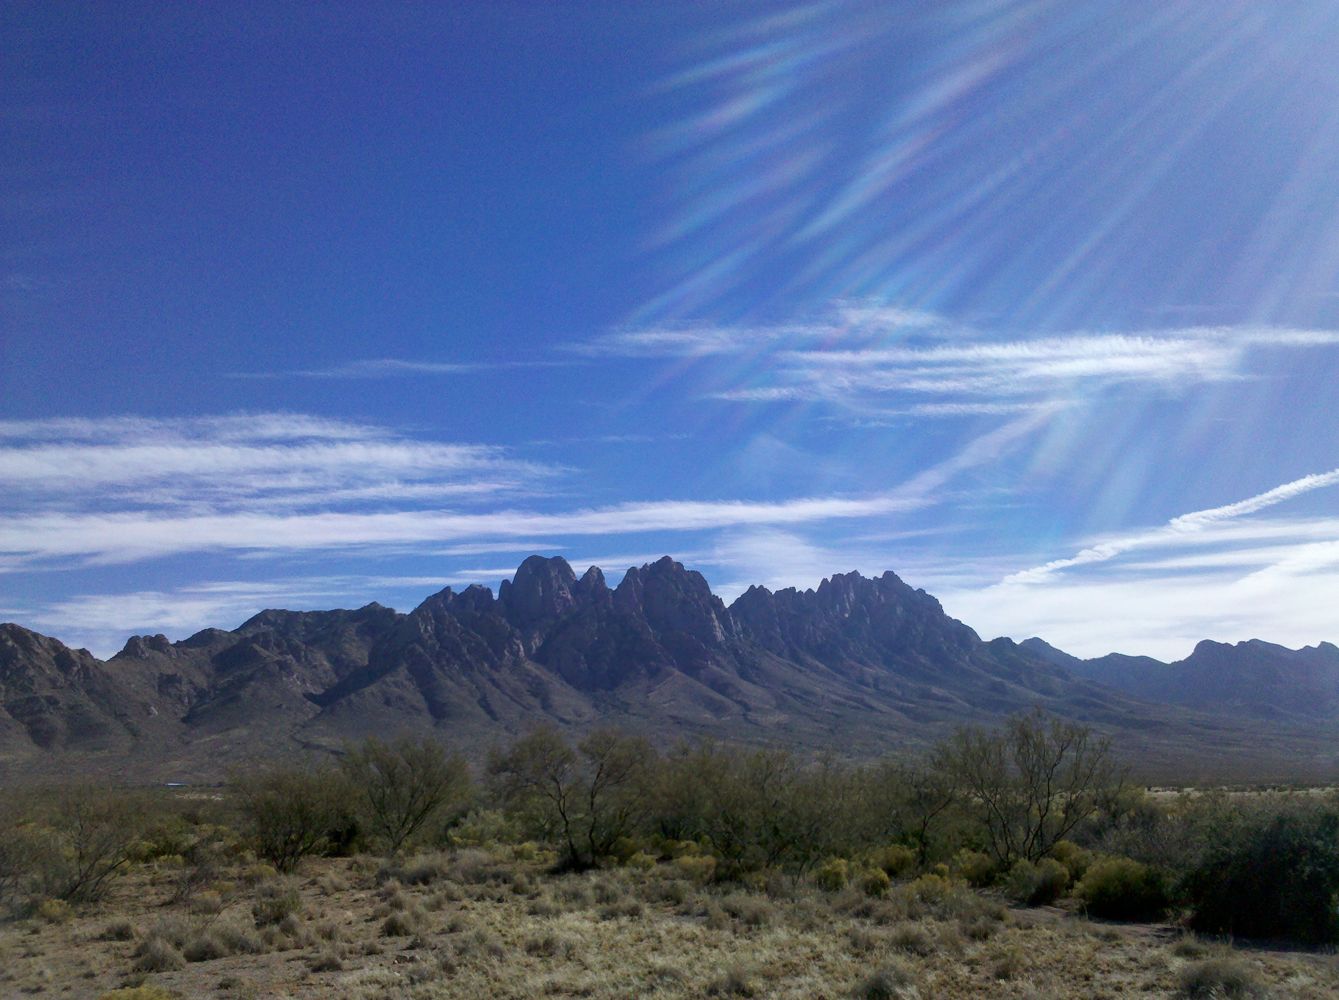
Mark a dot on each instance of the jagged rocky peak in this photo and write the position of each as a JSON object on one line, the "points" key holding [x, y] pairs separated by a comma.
{"points": [[542, 589], [592, 585], [476, 599], [140, 646], [674, 599]]}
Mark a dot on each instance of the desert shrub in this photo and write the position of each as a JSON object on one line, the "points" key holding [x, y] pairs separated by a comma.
{"points": [[326, 960], [1036, 884], [550, 945], [1123, 889], [733, 982], [157, 954], [205, 947], [484, 828], [626, 908], [640, 861], [874, 882], [53, 911], [118, 930], [274, 901], [1189, 946], [1029, 784], [668, 890], [207, 903], [585, 799], [137, 993], [832, 874], [895, 859], [894, 981], [696, 868], [69, 846], [912, 938], [403, 923], [979, 927], [751, 911], [1075, 859], [259, 872], [943, 899], [1223, 978], [1276, 879], [422, 870], [288, 811], [403, 787], [974, 867], [1008, 963]]}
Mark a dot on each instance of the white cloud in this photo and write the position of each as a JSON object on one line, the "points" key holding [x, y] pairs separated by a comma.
{"points": [[261, 461], [127, 536], [849, 323], [394, 367], [868, 353], [1161, 615], [1175, 529], [1211, 573]]}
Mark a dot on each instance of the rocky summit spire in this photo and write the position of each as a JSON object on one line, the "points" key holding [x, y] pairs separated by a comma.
{"points": [[541, 590]]}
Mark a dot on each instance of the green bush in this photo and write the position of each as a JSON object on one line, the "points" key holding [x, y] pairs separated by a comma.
{"points": [[699, 868], [974, 867], [1276, 880], [289, 811], [274, 902], [1122, 889], [832, 874], [1036, 884], [895, 859], [874, 882], [1075, 859]]}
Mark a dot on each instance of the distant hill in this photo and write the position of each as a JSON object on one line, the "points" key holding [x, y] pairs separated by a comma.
{"points": [[858, 665], [1252, 679]]}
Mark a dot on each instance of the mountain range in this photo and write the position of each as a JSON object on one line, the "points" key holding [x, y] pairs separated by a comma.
{"points": [[857, 665]]}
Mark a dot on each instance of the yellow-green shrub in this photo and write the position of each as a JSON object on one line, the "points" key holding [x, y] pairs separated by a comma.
{"points": [[895, 859], [1123, 889], [832, 874], [874, 882], [1036, 884], [1075, 859], [974, 867], [699, 868]]}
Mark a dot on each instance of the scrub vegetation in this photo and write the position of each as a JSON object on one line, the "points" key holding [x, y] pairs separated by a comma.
{"points": [[1013, 862]]}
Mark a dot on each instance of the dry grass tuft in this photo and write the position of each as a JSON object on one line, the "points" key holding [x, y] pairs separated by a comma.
{"points": [[1223, 978], [895, 981], [157, 954], [733, 982]]}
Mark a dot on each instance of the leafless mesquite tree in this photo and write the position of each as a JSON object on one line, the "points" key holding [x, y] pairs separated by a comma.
{"points": [[1030, 782], [585, 798]]}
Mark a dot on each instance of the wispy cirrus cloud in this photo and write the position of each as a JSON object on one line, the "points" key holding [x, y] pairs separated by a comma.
{"points": [[131, 535], [375, 368], [267, 461], [185, 487], [848, 322], [985, 377], [1219, 573], [1177, 529], [904, 363]]}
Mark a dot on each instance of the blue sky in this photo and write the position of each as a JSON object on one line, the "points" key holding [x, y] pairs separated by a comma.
{"points": [[1034, 304]]}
